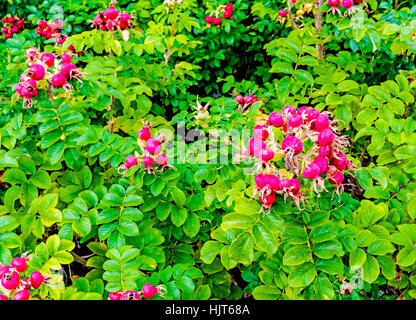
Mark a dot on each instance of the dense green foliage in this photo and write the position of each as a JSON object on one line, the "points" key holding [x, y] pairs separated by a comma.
{"points": [[194, 228]]}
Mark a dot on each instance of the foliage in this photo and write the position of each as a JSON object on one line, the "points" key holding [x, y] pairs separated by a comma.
{"points": [[195, 228]]}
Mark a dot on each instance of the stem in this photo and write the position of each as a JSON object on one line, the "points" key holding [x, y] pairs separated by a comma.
{"points": [[79, 259], [168, 53], [318, 25], [289, 11], [309, 244], [50, 93], [112, 101]]}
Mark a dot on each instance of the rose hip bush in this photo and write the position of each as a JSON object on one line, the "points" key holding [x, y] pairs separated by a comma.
{"points": [[218, 150]]}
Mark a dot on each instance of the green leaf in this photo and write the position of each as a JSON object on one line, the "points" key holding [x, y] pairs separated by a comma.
{"points": [[48, 126], [323, 233], [157, 187], [55, 152], [333, 266], [282, 67], [63, 257], [41, 179], [323, 288], [105, 230], [406, 257], [163, 210], [265, 239], [357, 258], [237, 221], [297, 255], [52, 243], [241, 249], [347, 85], [405, 152], [411, 208], [388, 267], [86, 176], [82, 226], [71, 117], [185, 284], [365, 238], [178, 216], [295, 235], [381, 247], [246, 206], [116, 240], [133, 200], [192, 225], [128, 228], [303, 76], [371, 269], [14, 176], [8, 223], [379, 92], [51, 216], [202, 293], [210, 250], [302, 276], [266, 292], [178, 196], [328, 249]]}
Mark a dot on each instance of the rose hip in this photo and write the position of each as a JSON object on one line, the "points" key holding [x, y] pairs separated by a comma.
{"points": [[36, 279], [19, 264]]}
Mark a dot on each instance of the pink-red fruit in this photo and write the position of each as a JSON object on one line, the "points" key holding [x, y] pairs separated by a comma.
{"points": [[144, 134], [292, 143], [161, 160], [22, 295], [326, 137], [148, 291], [130, 161], [10, 281], [19, 264], [276, 119], [36, 279], [153, 146]]}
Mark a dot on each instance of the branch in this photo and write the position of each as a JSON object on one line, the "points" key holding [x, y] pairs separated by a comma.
{"points": [[289, 11], [112, 101], [318, 25], [79, 259]]}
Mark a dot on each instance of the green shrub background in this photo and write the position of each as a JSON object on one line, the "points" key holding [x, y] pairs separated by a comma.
{"points": [[195, 229]]}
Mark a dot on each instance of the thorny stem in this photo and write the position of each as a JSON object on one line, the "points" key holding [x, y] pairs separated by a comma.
{"points": [[318, 25], [112, 101], [289, 11]]}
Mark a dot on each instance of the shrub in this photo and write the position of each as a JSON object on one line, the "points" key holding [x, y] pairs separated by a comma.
{"points": [[186, 150]]}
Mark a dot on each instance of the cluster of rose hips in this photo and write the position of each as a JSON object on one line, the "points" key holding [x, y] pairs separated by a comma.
{"points": [[227, 12], [324, 159], [245, 101], [111, 19], [11, 26], [147, 292], [48, 30], [53, 68], [11, 283], [347, 4], [151, 148]]}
